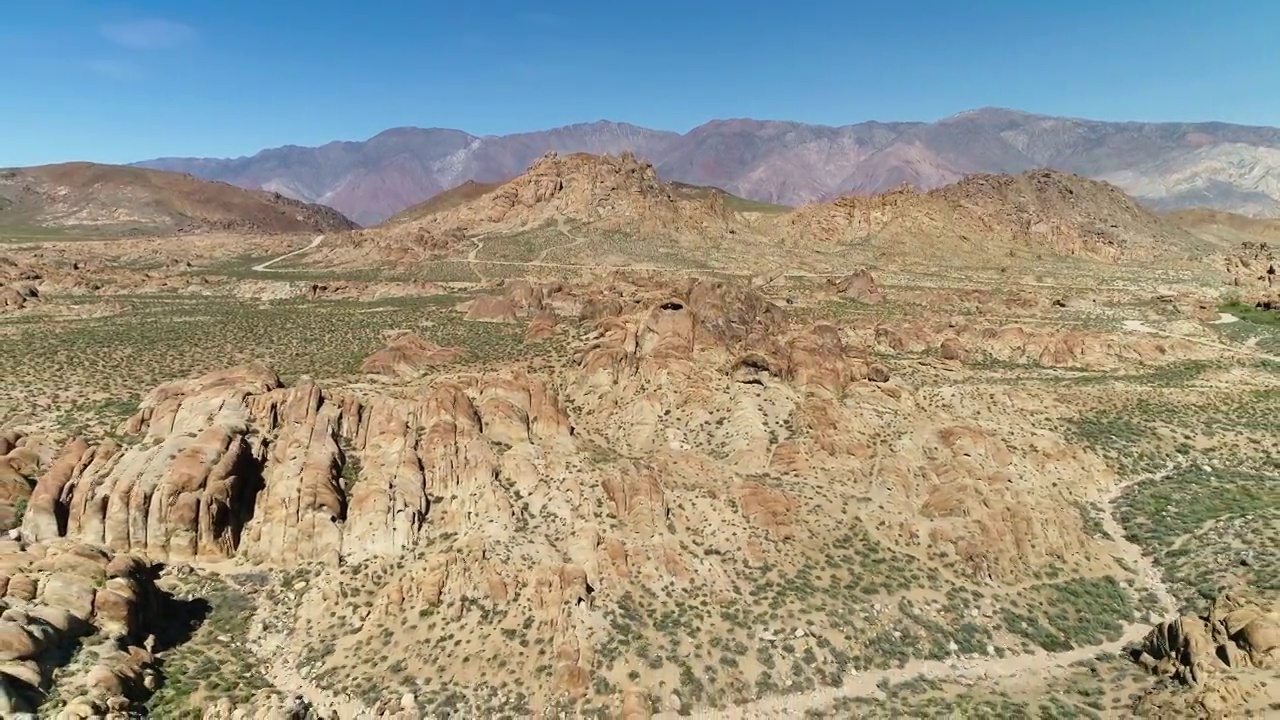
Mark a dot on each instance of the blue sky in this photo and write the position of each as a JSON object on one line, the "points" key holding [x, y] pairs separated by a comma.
{"points": [[122, 81]]}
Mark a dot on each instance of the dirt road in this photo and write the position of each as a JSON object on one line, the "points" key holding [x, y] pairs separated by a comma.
{"points": [[266, 266]]}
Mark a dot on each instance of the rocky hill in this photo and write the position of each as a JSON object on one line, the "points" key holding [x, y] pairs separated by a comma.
{"points": [[447, 200], [598, 193], [1037, 211], [1164, 165], [108, 200]]}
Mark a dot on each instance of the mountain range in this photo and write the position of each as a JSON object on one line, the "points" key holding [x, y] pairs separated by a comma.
{"points": [[1167, 166]]}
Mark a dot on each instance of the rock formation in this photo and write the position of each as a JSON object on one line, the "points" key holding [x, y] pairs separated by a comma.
{"points": [[1038, 211], [1234, 633], [56, 593], [616, 192], [20, 463], [704, 438], [1081, 349], [491, 308], [234, 462], [408, 355], [860, 286], [1252, 266], [17, 297], [1226, 656]]}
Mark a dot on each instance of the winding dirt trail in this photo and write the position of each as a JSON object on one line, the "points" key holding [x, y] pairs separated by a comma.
{"points": [[266, 266], [1039, 663]]}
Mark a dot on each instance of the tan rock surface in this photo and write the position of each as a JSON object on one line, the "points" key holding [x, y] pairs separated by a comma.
{"points": [[58, 593], [407, 355]]}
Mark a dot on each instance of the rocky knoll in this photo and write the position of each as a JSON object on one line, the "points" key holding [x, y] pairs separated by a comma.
{"points": [[860, 286], [604, 192], [55, 594], [407, 355], [1039, 210]]}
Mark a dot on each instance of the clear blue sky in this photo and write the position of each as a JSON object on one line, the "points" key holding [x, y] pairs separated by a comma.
{"points": [[121, 81]]}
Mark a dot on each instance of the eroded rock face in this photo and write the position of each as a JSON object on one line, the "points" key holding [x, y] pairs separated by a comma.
{"points": [[1228, 657], [860, 286], [1235, 633], [20, 462], [56, 593], [233, 463], [176, 497]]}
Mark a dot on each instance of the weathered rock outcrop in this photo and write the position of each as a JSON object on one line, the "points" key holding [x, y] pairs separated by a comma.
{"points": [[20, 463], [491, 308], [959, 484], [860, 286], [233, 463], [1252, 266], [1228, 657], [408, 355], [17, 297], [1233, 634], [1082, 349], [54, 594]]}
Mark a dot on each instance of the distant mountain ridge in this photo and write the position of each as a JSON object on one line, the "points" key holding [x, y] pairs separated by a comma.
{"points": [[120, 200], [1165, 165]]}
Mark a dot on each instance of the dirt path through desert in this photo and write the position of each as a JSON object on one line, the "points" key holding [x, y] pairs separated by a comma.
{"points": [[266, 266], [868, 684]]}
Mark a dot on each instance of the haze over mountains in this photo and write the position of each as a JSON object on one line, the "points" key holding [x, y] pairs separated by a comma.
{"points": [[1165, 165]]}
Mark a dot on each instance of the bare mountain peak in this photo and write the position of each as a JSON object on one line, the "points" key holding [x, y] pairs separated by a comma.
{"points": [[993, 111], [409, 131]]}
